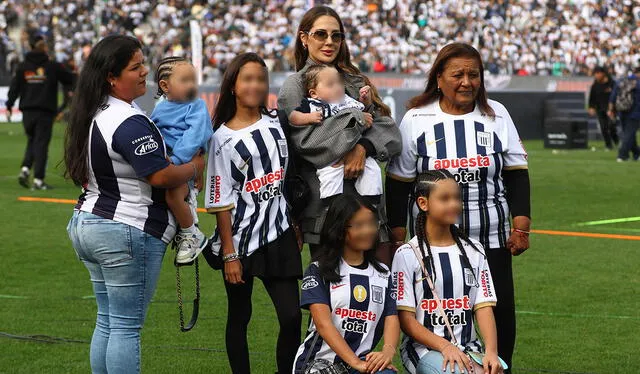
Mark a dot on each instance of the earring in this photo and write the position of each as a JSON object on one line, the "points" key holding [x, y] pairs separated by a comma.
{"points": [[233, 93], [304, 46], [112, 84]]}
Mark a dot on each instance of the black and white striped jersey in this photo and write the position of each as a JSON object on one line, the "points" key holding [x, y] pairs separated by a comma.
{"points": [[461, 291], [359, 304], [475, 148], [245, 173], [124, 148]]}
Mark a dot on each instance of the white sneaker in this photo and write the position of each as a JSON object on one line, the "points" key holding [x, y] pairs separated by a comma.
{"points": [[190, 245]]}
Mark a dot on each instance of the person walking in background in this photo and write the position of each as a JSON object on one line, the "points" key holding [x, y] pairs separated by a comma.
{"points": [[625, 102], [598, 103], [36, 84]]}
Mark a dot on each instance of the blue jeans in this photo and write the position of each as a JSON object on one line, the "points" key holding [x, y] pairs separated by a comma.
{"points": [[124, 263], [431, 363]]}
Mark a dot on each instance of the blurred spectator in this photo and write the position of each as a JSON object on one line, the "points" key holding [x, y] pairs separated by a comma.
{"points": [[524, 37]]}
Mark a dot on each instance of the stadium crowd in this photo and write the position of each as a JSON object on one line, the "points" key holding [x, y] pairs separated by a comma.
{"points": [[525, 37]]}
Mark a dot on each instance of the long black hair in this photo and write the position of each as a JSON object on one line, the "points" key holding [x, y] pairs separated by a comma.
{"points": [[226, 106], [422, 188], [110, 56], [332, 236]]}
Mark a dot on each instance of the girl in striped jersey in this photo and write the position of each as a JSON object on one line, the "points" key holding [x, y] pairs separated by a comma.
{"points": [[350, 297], [245, 177], [463, 288]]}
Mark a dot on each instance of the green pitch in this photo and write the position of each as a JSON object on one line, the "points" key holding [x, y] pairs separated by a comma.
{"points": [[577, 298]]}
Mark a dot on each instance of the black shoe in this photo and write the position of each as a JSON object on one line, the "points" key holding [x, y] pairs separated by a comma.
{"points": [[23, 178], [41, 187]]}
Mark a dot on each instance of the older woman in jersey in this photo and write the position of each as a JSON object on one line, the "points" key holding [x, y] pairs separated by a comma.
{"points": [[121, 224], [453, 126], [350, 296], [247, 167], [320, 40]]}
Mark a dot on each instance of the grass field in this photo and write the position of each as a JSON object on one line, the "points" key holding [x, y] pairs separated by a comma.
{"points": [[578, 298]]}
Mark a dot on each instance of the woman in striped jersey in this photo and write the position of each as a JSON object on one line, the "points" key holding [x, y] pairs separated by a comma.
{"points": [[121, 225], [462, 283], [245, 176], [350, 297], [454, 126]]}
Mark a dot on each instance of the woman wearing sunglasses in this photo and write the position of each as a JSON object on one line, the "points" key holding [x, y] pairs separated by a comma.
{"points": [[342, 136]]}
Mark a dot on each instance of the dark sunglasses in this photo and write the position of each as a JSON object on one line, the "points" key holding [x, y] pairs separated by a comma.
{"points": [[322, 35]]}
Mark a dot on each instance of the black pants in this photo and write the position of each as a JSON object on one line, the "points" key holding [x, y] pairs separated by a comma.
{"points": [[285, 297], [38, 126], [629, 140], [505, 310], [608, 129]]}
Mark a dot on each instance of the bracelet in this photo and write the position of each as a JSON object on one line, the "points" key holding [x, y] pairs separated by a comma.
{"points": [[230, 257], [523, 232]]}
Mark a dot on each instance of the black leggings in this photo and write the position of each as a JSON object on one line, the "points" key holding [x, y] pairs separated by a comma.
{"points": [[285, 297], [505, 310]]}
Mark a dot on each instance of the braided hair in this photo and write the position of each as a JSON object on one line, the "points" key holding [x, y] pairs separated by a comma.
{"points": [[164, 70], [423, 186]]}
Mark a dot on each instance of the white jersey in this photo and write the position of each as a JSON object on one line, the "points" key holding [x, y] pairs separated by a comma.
{"points": [[245, 173], [359, 304], [124, 148], [475, 148], [461, 292]]}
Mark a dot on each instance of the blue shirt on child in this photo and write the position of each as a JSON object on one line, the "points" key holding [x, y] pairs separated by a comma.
{"points": [[185, 126]]}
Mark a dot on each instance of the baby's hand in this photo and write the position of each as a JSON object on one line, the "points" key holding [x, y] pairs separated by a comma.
{"points": [[303, 119], [314, 118], [365, 95]]}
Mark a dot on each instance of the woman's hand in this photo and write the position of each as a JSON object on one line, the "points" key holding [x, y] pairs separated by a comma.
{"points": [[518, 241], [491, 364], [453, 356], [377, 361], [368, 120], [353, 162], [199, 182], [198, 162], [365, 95], [233, 272], [360, 366]]}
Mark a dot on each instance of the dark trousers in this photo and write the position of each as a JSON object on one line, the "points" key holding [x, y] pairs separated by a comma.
{"points": [[38, 126], [505, 310], [285, 297], [629, 142], [608, 129]]}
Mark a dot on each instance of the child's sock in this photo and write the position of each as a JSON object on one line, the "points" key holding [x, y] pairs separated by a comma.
{"points": [[191, 229], [37, 182]]}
